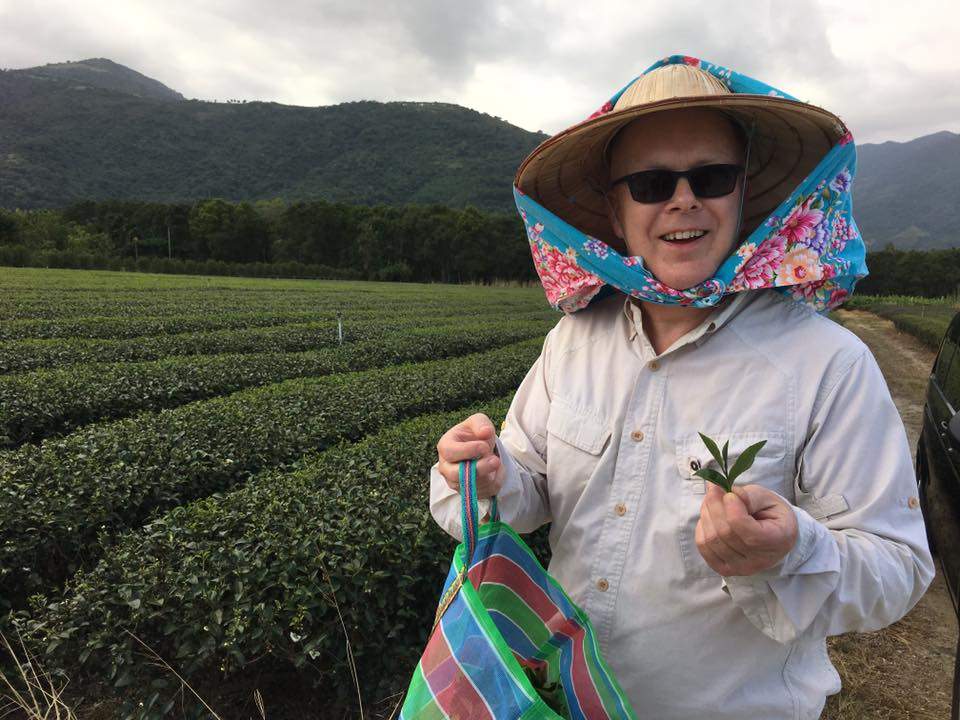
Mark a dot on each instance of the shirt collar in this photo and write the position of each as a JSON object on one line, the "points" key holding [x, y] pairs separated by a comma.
{"points": [[713, 322]]}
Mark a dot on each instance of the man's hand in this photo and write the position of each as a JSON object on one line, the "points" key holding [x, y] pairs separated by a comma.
{"points": [[744, 531], [474, 438]]}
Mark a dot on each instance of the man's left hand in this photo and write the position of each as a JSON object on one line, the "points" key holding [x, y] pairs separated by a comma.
{"points": [[744, 531]]}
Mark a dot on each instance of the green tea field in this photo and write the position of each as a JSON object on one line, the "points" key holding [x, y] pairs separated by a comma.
{"points": [[227, 479]]}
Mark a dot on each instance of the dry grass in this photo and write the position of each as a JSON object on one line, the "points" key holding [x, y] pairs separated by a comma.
{"points": [[905, 670]]}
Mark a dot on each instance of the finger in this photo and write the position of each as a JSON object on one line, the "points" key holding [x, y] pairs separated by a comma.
{"points": [[771, 513], [761, 503], [482, 428], [486, 469], [716, 563], [713, 540], [742, 524], [715, 505], [454, 451]]}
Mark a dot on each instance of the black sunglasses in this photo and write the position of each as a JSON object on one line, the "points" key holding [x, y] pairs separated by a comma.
{"points": [[706, 181]]}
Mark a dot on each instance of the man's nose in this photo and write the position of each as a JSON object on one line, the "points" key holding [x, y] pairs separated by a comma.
{"points": [[683, 196]]}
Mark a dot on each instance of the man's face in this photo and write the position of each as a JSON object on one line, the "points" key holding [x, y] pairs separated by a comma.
{"points": [[676, 140]]}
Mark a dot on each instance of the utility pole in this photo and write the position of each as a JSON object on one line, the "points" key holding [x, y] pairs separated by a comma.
{"points": [[169, 246]]}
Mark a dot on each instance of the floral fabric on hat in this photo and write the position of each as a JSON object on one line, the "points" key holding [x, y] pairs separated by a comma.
{"points": [[808, 248]]}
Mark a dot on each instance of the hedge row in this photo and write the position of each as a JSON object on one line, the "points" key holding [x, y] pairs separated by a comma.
{"points": [[33, 354], [253, 574], [135, 327], [53, 303], [44, 403], [61, 501]]}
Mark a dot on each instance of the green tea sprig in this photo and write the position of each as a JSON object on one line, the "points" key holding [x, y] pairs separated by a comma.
{"points": [[725, 478]]}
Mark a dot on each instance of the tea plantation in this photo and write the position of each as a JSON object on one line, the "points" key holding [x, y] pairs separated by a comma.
{"points": [[215, 469]]}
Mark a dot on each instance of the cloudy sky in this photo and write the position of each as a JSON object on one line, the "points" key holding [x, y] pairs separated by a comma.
{"points": [[889, 69]]}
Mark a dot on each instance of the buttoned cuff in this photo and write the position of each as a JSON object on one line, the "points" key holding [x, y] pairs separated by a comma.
{"points": [[782, 600]]}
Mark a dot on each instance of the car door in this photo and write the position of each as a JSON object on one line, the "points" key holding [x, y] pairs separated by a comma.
{"points": [[943, 492]]}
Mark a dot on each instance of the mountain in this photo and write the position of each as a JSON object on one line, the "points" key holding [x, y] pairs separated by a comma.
{"points": [[102, 73], [908, 193], [64, 138], [95, 129]]}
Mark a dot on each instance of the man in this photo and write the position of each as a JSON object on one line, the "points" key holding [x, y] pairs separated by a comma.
{"points": [[703, 601]]}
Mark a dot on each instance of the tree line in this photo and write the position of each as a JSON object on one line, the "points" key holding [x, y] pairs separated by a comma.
{"points": [[421, 243], [417, 243]]}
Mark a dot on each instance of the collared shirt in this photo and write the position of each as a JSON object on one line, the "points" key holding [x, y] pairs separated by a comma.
{"points": [[601, 439]]}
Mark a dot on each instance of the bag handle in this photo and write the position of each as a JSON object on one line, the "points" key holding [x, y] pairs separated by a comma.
{"points": [[469, 517], [469, 506]]}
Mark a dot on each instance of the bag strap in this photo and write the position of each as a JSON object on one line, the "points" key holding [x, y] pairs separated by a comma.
{"points": [[469, 507]]}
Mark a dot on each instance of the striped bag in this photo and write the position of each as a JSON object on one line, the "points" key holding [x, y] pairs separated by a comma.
{"points": [[507, 642]]}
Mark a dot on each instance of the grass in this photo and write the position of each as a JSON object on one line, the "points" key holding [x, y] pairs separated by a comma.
{"points": [[924, 318]]}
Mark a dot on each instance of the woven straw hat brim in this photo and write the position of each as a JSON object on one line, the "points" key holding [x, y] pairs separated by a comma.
{"points": [[566, 173]]}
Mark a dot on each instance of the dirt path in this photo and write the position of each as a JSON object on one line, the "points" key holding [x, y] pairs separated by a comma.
{"points": [[906, 670]]}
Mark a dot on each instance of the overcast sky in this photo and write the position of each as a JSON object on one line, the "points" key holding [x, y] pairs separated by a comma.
{"points": [[888, 69]]}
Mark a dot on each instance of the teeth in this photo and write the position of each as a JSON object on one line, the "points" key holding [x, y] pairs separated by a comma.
{"points": [[686, 235]]}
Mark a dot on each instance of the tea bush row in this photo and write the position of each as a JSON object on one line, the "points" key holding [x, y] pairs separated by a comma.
{"points": [[61, 501], [139, 326], [259, 573], [43, 403], [32, 354]]}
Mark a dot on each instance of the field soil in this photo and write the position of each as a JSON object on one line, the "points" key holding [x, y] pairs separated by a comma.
{"points": [[905, 670]]}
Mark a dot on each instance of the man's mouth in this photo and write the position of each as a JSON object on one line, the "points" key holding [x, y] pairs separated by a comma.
{"points": [[684, 236]]}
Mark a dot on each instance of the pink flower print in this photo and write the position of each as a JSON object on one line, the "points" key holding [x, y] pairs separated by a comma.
{"points": [[841, 183], [560, 275], [847, 137], [808, 291], [604, 109], [837, 297], [840, 234], [800, 223], [801, 265], [632, 260], [772, 221], [688, 60], [745, 252], [760, 270]]}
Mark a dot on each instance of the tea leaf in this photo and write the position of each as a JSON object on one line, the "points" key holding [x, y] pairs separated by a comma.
{"points": [[712, 447], [714, 477], [725, 456], [745, 460]]}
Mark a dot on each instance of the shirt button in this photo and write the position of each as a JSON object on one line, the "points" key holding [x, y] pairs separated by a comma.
{"points": [[913, 503], [620, 509], [637, 435], [653, 365], [603, 585], [711, 327]]}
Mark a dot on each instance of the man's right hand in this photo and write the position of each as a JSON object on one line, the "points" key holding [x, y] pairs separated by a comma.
{"points": [[474, 438]]}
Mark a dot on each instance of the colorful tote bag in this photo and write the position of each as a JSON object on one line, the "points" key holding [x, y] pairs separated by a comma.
{"points": [[507, 642]]}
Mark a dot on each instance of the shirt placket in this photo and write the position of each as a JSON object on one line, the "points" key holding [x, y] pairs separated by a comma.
{"points": [[624, 501]]}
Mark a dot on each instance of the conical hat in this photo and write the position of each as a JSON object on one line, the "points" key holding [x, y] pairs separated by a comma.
{"points": [[567, 173]]}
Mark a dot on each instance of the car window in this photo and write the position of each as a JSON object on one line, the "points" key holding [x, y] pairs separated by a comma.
{"points": [[951, 376], [947, 348]]}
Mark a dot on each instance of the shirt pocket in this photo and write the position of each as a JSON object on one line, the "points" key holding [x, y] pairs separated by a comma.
{"points": [[582, 434], [769, 469]]}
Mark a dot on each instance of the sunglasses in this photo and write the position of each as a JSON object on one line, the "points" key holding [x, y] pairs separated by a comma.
{"points": [[706, 181]]}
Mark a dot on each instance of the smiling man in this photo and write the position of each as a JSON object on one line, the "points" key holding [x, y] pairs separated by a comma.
{"points": [[693, 261]]}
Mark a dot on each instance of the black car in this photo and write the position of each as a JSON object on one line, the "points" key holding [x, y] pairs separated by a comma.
{"points": [[938, 471]]}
